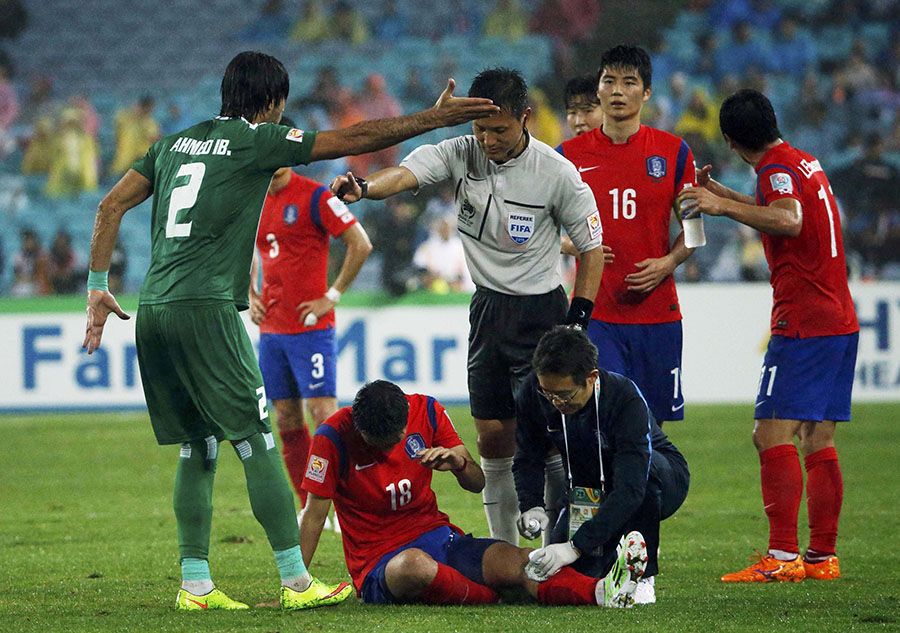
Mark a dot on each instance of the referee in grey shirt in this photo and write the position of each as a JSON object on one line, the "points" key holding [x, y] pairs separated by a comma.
{"points": [[513, 193]]}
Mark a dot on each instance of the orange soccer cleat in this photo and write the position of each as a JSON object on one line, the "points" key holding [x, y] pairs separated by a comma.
{"points": [[769, 569], [828, 569]]}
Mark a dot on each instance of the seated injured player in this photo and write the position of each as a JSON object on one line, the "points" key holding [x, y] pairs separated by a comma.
{"points": [[375, 461]]}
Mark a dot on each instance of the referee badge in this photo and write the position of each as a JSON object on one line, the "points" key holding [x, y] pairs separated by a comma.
{"points": [[520, 227]]}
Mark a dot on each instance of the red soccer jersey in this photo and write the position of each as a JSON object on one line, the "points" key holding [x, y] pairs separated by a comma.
{"points": [[292, 240], [382, 500], [809, 274], [635, 184]]}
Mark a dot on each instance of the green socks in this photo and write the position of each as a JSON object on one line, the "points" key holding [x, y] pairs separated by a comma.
{"points": [[271, 498]]}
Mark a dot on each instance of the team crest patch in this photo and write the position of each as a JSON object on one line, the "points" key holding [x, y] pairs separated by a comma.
{"points": [[656, 167], [415, 443], [291, 212], [781, 182], [520, 227], [317, 468], [594, 226], [295, 135]]}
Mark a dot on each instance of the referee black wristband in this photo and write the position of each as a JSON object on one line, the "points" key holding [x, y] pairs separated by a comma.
{"points": [[580, 312], [362, 185]]}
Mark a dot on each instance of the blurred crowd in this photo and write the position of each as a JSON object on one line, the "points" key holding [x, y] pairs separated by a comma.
{"points": [[831, 67]]}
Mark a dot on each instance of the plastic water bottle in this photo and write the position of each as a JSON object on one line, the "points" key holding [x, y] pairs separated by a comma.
{"points": [[694, 235]]}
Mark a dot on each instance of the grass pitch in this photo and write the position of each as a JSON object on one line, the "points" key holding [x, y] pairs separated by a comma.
{"points": [[87, 537]]}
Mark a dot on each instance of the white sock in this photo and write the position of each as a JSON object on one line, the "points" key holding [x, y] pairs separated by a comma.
{"points": [[782, 555], [298, 583], [554, 489], [501, 505], [197, 587]]}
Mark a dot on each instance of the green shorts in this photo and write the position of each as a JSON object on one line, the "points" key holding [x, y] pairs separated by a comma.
{"points": [[199, 372]]}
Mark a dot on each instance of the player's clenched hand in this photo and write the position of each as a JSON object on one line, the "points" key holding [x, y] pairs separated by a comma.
{"points": [[346, 188], [452, 110], [700, 200], [318, 307], [440, 458], [99, 304], [652, 273]]}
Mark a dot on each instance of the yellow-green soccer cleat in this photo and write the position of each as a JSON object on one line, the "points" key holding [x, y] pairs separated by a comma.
{"points": [[318, 594], [215, 599]]}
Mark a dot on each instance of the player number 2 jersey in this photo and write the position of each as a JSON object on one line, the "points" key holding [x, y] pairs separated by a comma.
{"points": [[382, 500], [209, 182], [296, 223], [809, 272], [635, 185]]}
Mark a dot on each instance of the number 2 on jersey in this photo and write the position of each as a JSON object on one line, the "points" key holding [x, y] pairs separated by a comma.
{"points": [[184, 197]]}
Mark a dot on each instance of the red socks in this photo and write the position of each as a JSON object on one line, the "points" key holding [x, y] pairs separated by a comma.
{"points": [[824, 495], [782, 488], [295, 449], [451, 587], [567, 586]]}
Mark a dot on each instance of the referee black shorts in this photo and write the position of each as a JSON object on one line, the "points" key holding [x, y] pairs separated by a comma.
{"points": [[503, 332]]}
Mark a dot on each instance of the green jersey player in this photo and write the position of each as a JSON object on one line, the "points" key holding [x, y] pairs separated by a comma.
{"points": [[198, 369]]}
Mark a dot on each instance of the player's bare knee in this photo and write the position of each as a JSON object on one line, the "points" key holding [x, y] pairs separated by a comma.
{"points": [[503, 565], [409, 572], [497, 440]]}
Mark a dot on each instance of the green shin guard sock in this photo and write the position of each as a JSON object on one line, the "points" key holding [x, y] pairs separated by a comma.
{"points": [[193, 497], [271, 497]]}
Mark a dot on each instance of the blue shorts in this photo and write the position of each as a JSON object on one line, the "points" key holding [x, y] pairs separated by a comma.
{"points": [[463, 553], [649, 354], [807, 378], [299, 365]]}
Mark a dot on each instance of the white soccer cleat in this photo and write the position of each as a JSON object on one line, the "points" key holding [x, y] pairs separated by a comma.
{"points": [[646, 591], [618, 587]]}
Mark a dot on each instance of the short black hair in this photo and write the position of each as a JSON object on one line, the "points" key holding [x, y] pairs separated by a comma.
{"points": [[252, 82], [748, 118], [380, 410], [581, 87], [624, 56], [504, 86], [565, 351]]}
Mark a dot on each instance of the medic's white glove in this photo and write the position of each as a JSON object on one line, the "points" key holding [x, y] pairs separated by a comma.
{"points": [[546, 561], [532, 522]]}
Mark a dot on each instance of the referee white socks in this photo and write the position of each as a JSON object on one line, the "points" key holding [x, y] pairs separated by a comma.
{"points": [[501, 505]]}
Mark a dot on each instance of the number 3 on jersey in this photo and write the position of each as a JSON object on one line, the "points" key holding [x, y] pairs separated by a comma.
{"points": [[184, 197]]}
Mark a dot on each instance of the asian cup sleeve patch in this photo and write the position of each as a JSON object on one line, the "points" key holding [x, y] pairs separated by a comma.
{"points": [[594, 225], [295, 135], [317, 468]]}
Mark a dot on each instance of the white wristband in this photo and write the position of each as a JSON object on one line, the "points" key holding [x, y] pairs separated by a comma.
{"points": [[333, 294]]}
